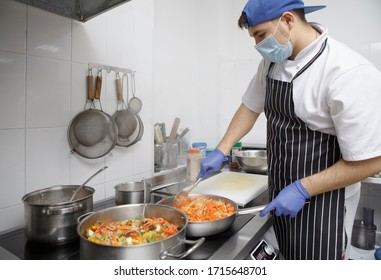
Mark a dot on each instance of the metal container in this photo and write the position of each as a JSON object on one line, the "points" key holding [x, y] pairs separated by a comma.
{"points": [[133, 192], [162, 249], [252, 161], [197, 229], [50, 217]]}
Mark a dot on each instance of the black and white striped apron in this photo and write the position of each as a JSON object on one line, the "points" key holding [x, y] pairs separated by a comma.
{"points": [[295, 152]]}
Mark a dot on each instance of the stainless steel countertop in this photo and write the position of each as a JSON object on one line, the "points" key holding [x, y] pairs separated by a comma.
{"points": [[239, 245]]}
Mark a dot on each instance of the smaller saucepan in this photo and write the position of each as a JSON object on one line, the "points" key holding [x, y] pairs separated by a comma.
{"points": [[133, 192], [198, 229]]}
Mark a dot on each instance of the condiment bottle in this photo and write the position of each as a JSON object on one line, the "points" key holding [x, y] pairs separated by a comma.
{"points": [[233, 164], [193, 163]]}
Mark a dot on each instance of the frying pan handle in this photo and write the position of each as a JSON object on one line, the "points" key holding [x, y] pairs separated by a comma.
{"points": [[159, 187], [251, 210], [197, 243]]}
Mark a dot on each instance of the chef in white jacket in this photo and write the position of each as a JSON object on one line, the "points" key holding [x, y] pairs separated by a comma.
{"points": [[322, 103]]}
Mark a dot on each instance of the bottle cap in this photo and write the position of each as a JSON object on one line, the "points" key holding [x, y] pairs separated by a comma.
{"points": [[238, 145], [193, 150]]}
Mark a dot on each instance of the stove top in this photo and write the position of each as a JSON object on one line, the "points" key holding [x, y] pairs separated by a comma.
{"points": [[16, 243]]}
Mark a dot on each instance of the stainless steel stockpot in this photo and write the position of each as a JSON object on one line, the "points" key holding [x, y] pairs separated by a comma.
{"points": [[49, 215]]}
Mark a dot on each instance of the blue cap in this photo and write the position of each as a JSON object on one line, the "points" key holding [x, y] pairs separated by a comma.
{"points": [[258, 11]]}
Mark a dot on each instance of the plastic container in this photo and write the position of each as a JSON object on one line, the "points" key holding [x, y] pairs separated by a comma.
{"points": [[233, 164], [364, 231], [202, 146], [193, 163]]}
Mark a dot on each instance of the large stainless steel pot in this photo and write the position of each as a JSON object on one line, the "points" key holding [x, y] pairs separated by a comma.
{"points": [[172, 247], [197, 229], [50, 217], [133, 192]]}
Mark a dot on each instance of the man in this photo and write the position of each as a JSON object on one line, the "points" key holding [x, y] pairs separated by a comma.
{"points": [[321, 101]]}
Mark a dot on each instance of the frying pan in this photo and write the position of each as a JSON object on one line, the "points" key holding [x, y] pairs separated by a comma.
{"points": [[125, 119], [198, 229], [92, 133]]}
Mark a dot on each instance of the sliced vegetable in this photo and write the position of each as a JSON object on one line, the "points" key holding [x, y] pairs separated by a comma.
{"points": [[205, 209], [128, 232]]}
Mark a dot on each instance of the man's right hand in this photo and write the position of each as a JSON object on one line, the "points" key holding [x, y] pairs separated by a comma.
{"points": [[211, 163]]}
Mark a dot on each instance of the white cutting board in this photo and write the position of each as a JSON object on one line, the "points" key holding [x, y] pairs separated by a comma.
{"points": [[239, 187]]}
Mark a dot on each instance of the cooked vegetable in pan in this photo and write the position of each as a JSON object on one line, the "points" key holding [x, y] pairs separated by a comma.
{"points": [[205, 209], [128, 232]]}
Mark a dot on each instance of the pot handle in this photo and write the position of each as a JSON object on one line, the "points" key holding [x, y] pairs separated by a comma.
{"points": [[251, 210], [197, 243], [62, 211]]}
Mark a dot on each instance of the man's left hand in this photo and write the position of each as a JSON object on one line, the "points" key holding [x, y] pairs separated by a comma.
{"points": [[289, 201]]}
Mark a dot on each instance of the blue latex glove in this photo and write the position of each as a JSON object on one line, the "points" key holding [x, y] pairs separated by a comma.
{"points": [[211, 163], [289, 201]]}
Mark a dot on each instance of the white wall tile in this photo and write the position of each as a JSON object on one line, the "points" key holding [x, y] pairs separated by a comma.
{"points": [[48, 92], [11, 218], [12, 26], [120, 38], [12, 167], [47, 162], [12, 90], [49, 35], [89, 41]]}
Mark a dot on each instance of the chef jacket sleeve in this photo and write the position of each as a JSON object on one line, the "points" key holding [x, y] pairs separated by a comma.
{"points": [[254, 96], [354, 101]]}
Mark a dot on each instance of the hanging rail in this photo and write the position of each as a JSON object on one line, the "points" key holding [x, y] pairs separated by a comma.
{"points": [[109, 68]]}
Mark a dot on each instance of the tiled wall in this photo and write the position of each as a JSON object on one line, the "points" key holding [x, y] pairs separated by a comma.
{"points": [[43, 67]]}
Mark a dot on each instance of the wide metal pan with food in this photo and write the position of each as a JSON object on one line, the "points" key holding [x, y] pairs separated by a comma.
{"points": [[50, 216], [171, 247], [207, 228]]}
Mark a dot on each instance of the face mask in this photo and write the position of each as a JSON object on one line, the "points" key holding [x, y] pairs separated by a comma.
{"points": [[270, 48]]}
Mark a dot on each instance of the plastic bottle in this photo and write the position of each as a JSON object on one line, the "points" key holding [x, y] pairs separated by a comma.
{"points": [[193, 163], [202, 146], [233, 165]]}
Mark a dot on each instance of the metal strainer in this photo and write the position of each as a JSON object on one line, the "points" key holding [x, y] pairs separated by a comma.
{"points": [[135, 104]]}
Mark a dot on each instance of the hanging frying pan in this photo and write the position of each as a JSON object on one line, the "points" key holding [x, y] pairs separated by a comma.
{"points": [[125, 119], [92, 133]]}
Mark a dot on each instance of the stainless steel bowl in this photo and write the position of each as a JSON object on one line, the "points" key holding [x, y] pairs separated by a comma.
{"points": [[252, 161]]}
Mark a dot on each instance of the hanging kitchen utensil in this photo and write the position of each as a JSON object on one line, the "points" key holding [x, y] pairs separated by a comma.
{"points": [[96, 129], [83, 124], [138, 133], [84, 183], [125, 119], [135, 104]]}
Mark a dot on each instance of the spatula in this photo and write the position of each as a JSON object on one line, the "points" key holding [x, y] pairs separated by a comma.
{"points": [[184, 194]]}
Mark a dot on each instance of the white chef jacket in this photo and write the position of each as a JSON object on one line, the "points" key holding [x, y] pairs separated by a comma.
{"points": [[339, 94]]}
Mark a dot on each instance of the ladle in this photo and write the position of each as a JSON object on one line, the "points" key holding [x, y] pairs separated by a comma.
{"points": [[144, 204], [81, 186]]}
